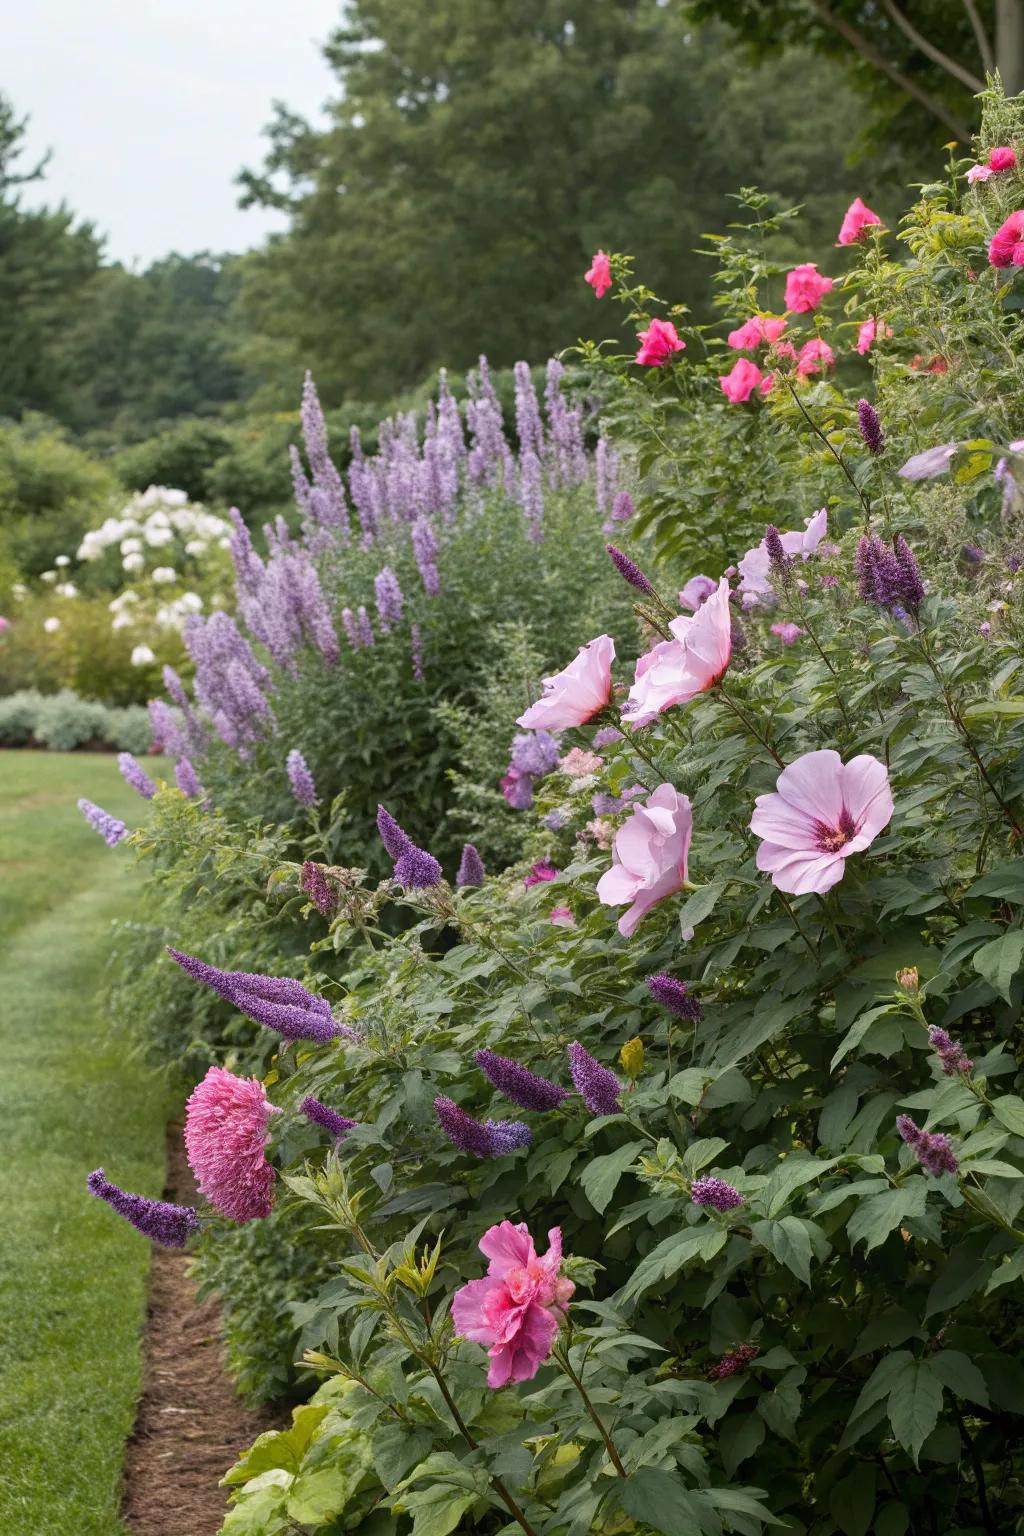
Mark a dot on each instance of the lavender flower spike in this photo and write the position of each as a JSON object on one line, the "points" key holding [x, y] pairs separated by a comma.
{"points": [[716, 1193], [597, 1087], [109, 828], [630, 571], [186, 780], [518, 1083], [471, 868], [676, 997], [328, 1119], [279, 1002], [417, 870], [318, 888], [492, 1138], [391, 835], [870, 426], [933, 1150], [169, 1225], [781, 562], [950, 1052], [134, 774], [912, 587], [300, 779]]}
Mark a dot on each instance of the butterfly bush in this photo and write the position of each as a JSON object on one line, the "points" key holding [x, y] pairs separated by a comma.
{"points": [[769, 1068]]}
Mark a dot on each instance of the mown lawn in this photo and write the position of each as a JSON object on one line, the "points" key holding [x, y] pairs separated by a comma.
{"points": [[72, 1274]]}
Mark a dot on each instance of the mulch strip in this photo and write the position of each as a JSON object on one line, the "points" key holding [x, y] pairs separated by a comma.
{"points": [[191, 1424]]}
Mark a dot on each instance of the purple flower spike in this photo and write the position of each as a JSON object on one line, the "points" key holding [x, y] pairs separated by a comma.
{"points": [[135, 775], [279, 1002], [471, 868], [300, 779], [597, 1087], [716, 1193], [417, 870], [933, 1150], [328, 1119], [950, 1052], [629, 571], [780, 561], [109, 828], [519, 1084], [492, 1138], [185, 778], [169, 1225], [676, 997], [912, 587], [319, 889], [391, 835], [870, 426]]}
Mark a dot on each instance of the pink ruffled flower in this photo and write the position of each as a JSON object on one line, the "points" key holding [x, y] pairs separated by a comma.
{"points": [[805, 288], [787, 632], [978, 173], [800, 543], [649, 856], [1006, 248], [226, 1121], [740, 382], [756, 331], [814, 355], [856, 221], [1002, 158], [822, 810], [658, 343], [600, 275], [697, 591], [562, 917], [870, 332], [577, 693], [578, 763], [677, 670], [515, 1310]]}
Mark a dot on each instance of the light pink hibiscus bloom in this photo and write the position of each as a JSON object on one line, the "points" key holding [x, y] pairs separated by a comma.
{"points": [[697, 591], [822, 811], [788, 633], [856, 221], [600, 275], [979, 173], [677, 670], [515, 1309], [649, 856], [577, 693], [755, 567]]}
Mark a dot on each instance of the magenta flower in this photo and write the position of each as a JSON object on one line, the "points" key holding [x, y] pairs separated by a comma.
{"points": [[515, 1310], [540, 872], [869, 332], [226, 1120], [658, 343], [756, 331], [814, 355], [933, 1150], [649, 856], [820, 813], [716, 1193], [577, 693], [1006, 248], [805, 288], [742, 379], [800, 543], [679, 669], [856, 222], [600, 275], [1001, 158]]}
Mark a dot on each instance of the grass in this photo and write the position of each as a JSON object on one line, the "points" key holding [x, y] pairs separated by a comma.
{"points": [[72, 1274]]}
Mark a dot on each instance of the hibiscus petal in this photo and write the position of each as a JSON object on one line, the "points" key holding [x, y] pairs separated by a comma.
{"points": [[867, 795], [813, 784], [507, 1246], [469, 1310]]}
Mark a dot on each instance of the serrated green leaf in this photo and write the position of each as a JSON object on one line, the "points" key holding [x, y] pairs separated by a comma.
{"points": [[915, 1400], [600, 1177], [878, 1215], [960, 1374]]}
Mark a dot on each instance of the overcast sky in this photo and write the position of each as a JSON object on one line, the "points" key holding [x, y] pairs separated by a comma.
{"points": [[152, 106]]}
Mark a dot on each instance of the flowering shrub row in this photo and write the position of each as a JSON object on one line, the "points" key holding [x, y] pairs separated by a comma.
{"points": [[741, 1035]]}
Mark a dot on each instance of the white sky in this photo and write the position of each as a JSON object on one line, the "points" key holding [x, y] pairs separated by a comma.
{"points": [[151, 107]]}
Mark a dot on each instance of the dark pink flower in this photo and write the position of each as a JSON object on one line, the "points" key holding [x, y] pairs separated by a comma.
{"points": [[658, 343], [740, 382], [870, 332], [822, 810], [805, 288], [600, 275], [226, 1120], [540, 872], [1002, 158], [856, 221], [756, 331], [1006, 248], [814, 355], [515, 1310]]}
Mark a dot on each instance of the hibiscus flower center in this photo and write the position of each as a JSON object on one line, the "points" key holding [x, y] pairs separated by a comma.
{"points": [[831, 839]]}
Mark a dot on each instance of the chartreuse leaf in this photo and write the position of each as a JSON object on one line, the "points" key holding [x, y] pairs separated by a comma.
{"points": [[1000, 961], [600, 1177]]}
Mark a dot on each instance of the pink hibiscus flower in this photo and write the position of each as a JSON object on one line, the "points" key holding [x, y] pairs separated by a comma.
{"points": [[677, 670], [805, 288], [541, 872], [787, 632], [1006, 248], [856, 221], [697, 591], [515, 1310], [649, 856], [577, 693], [822, 810], [814, 355], [600, 275], [740, 382], [756, 330], [978, 173], [658, 343]]}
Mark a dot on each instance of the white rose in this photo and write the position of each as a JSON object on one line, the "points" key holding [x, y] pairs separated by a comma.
{"points": [[142, 656]]}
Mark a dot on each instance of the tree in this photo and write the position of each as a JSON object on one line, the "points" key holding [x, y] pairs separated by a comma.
{"points": [[480, 150], [919, 61]]}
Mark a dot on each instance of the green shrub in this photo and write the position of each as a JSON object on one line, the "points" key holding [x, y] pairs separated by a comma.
{"points": [[50, 492]]}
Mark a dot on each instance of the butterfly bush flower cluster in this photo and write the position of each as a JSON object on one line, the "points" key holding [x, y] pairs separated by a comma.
{"points": [[110, 828], [933, 1150]]}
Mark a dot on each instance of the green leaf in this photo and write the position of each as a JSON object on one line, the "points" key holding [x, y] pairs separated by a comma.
{"points": [[994, 1167], [679, 1248], [1006, 1273], [658, 1499], [879, 1384], [855, 1034], [701, 904], [739, 1438], [960, 1374], [396, 1448], [440, 1512], [689, 1085], [879, 1215], [600, 1178], [914, 1403], [789, 1175], [852, 1501], [700, 1153], [1009, 1111], [1006, 882], [1000, 961], [788, 1241]]}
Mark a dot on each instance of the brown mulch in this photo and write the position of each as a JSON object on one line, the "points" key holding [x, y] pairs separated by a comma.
{"points": [[191, 1424]]}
